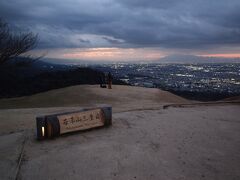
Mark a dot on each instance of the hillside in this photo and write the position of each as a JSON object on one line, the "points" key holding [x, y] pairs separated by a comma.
{"points": [[18, 79], [120, 96]]}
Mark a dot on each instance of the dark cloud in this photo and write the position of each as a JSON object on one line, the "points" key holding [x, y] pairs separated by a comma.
{"points": [[84, 41], [177, 24], [155, 4], [112, 40]]}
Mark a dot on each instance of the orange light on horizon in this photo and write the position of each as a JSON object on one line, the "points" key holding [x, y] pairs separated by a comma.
{"points": [[222, 55], [95, 53], [113, 54]]}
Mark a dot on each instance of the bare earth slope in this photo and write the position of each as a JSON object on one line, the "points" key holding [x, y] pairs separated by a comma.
{"points": [[144, 142]]}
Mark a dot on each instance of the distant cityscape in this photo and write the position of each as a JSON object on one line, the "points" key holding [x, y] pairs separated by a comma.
{"points": [[201, 78]]}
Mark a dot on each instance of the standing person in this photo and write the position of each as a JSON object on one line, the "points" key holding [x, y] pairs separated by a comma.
{"points": [[102, 81], [110, 78]]}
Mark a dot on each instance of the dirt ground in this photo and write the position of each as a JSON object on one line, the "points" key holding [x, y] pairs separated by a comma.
{"points": [[144, 142]]}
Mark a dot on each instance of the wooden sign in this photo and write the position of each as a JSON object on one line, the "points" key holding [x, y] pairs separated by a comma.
{"points": [[81, 120], [54, 125]]}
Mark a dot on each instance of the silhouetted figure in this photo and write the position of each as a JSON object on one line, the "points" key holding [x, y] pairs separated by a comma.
{"points": [[102, 81], [109, 78]]}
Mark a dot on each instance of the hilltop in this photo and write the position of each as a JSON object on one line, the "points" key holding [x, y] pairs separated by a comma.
{"points": [[80, 95]]}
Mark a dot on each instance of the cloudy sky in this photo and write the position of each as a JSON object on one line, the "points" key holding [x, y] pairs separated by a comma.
{"points": [[128, 29]]}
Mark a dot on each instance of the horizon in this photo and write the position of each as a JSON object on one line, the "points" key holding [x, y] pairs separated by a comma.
{"points": [[114, 30], [173, 58]]}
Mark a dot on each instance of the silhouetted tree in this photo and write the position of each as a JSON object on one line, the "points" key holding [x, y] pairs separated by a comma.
{"points": [[13, 44]]}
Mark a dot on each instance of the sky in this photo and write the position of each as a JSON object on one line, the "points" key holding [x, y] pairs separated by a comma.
{"points": [[128, 30]]}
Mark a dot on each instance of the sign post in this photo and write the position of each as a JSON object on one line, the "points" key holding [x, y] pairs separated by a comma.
{"points": [[50, 126]]}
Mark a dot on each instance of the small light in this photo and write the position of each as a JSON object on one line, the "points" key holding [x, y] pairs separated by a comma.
{"points": [[43, 133]]}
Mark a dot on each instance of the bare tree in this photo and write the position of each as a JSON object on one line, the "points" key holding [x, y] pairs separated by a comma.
{"points": [[14, 44]]}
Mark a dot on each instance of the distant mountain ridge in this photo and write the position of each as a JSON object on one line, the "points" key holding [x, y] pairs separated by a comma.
{"points": [[195, 59]]}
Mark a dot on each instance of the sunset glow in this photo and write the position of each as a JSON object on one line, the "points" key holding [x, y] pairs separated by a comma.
{"points": [[113, 54], [120, 54]]}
